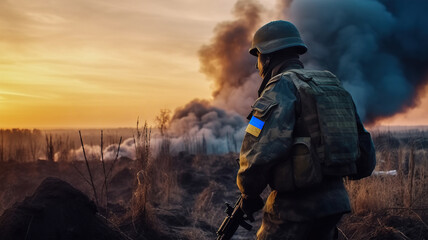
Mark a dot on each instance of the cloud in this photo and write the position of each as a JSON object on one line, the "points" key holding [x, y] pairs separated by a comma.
{"points": [[377, 48]]}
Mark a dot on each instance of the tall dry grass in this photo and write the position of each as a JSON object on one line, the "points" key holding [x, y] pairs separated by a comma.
{"points": [[407, 189], [156, 178]]}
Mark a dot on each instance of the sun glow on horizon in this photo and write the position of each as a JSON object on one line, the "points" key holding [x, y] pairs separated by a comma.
{"points": [[90, 64], [416, 116], [61, 69]]}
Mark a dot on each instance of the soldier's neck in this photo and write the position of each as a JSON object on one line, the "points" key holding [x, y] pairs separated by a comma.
{"points": [[277, 67]]}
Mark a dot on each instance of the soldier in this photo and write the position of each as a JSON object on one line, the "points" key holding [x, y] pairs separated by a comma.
{"points": [[303, 137]]}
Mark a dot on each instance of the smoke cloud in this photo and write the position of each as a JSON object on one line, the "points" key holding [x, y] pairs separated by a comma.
{"points": [[199, 126], [377, 48], [227, 62], [218, 126], [127, 149]]}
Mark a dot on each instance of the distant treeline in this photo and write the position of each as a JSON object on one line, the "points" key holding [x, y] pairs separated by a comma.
{"points": [[20, 144], [26, 145]]}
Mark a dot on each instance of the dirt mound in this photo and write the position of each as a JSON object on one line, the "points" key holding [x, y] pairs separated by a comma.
{"points": [[56, 210]]}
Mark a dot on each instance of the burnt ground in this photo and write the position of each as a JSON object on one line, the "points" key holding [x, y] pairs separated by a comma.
{"points": [[193, 208]]}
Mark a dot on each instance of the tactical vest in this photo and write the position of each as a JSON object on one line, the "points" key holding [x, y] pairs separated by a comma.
{"points": [[325, 134]]}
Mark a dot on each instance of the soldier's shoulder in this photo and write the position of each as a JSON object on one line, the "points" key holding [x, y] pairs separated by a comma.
{"points": [[279, 88], [308, 74], [281, 83], [303, 74], [284, 76]]}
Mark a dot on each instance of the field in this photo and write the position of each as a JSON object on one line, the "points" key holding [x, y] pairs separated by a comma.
{"points": [[161, 195]]}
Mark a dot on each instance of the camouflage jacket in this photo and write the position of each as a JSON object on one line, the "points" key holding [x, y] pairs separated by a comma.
{"points": [[267, 142]]}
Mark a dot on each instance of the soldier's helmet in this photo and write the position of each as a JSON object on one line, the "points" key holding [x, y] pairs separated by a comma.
{"points": [[275, 36]]}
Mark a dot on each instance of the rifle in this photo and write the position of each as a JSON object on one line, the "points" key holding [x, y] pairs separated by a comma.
{"points": [[234, 219]]}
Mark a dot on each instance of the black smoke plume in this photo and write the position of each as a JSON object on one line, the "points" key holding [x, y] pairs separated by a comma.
{"points": [[378, 48]]}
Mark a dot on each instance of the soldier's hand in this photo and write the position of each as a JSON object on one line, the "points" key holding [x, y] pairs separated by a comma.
{"points": [[250, 205]]}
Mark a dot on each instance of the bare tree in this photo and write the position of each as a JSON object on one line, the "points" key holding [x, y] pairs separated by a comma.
{"points": [[49, 148], [2, 146], [162, 120], [34, 143]]}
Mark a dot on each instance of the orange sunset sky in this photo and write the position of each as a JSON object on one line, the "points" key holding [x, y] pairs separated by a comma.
{"points": [[99, 64]]}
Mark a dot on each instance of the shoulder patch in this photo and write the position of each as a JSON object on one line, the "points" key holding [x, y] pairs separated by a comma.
{"points": [[255, 126]]}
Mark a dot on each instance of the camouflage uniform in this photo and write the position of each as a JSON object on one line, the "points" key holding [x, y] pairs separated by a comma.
{"points": [[294, 214]]}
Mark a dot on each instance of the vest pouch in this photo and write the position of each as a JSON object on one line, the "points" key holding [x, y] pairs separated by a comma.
{"points": [[282, 177], [306, 168], [301, 170]]}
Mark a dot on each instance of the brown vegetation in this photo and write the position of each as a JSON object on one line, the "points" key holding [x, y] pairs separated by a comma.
{"points": [[387, 206], [162, 196]]}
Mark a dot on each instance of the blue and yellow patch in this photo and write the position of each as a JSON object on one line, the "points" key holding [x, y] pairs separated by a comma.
{"points": [[255, 126]]}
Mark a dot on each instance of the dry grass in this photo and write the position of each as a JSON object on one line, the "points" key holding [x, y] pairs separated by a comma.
{"points": [[206, 205], [404, 190], [156, 180], [199, 200], [391, 206], [195, 234]]}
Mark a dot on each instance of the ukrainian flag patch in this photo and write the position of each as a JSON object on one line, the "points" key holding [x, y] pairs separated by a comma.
{"points": [[255, 126]]}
